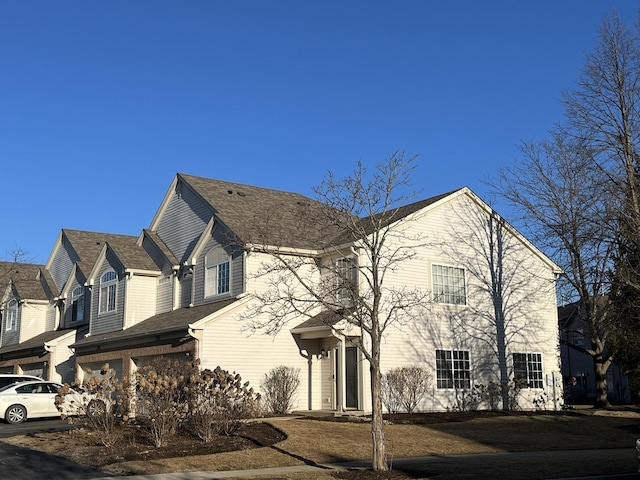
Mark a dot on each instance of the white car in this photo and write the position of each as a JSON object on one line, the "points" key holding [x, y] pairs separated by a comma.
{"points": [[23, 400], [9, 378]]}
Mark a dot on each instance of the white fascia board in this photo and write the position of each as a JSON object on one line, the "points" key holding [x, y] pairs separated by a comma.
{"points": [[511, 229], [142, 273], [54, 343], [64, 293], [164, 204], [29, 301], [302, 252], [7, 293], [200, 324], [96, 266], [317, 328], [56, 246], [202, 241]]}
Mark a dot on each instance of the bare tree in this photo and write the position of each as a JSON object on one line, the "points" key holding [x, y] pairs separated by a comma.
{"points": [[348, 278], [579, 191], [603, 112], [564, 206]]}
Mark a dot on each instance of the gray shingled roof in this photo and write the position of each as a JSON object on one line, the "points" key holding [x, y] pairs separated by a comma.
{"points": [[175, 321], [25, 279], [48, 284], [36, 342], [325, 318], [261, 215], [155, 238], [131, 254], [88, 245]]}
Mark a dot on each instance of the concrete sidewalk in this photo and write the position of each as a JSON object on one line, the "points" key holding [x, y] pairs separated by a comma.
{"points": [[622, 461]]}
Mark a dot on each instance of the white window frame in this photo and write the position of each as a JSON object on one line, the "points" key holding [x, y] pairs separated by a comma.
{"points": [[77, 304], [12, 316], [458, 369], [446, 293], [346, 277], [531, 372], [217, 275], [108, 292]]}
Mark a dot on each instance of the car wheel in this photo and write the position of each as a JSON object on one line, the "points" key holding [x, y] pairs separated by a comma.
{"points": [[15, 414], [96, 407]]}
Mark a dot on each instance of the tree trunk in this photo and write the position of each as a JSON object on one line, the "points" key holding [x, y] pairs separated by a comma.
{"points": [[379, 461], [600, 369]]}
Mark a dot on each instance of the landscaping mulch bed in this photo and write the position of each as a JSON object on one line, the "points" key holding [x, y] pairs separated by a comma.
{"points": [[135, 446]]}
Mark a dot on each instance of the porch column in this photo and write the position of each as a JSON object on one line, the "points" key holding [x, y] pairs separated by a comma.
{"points": [[342, 388]]}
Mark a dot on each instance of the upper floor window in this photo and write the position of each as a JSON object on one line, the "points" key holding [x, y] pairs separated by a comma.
{"points": [[217, 273], [77, 304], [108, 288], [576, 337], [449, 285], [527, 368], [453, 369], [346, 278], [12, 316]]}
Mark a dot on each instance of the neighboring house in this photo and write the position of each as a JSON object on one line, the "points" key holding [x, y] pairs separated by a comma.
{"points": [[577, 364], [28, 343], [46, 308], [182, 290]]}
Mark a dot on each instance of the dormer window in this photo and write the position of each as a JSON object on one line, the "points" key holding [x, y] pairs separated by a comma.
{"points": [[77, 304], [217, 273], [12, 316], [108, 288]]}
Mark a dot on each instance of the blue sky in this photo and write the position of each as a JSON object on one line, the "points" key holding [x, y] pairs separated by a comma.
{"points": [[101, 103]]}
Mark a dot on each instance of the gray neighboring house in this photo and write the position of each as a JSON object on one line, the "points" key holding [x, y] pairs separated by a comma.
{"points": [[577, 365]]}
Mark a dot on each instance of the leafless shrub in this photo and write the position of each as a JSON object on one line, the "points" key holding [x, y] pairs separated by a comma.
{"points": [[280, 385], [218, 402], [161, 402], [390, 389], [98, 403], [404, 387]]}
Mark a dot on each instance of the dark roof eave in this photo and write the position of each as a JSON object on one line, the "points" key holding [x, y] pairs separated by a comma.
{"points": [[98, 340]]}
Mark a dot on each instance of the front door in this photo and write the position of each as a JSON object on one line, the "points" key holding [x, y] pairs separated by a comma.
{"points": [[351, 378]]}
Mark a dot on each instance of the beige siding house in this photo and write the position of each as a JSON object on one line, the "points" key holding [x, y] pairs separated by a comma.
{"points": [[187, 287]]}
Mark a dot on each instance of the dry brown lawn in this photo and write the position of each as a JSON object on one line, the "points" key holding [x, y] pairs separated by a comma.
{"points": [[319, 441]]}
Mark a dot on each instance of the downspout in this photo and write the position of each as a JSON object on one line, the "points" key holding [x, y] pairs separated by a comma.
{"points": [[343, 374], [197, 334], [193, 284], [125, 308], [175, 288], [51, 360]]}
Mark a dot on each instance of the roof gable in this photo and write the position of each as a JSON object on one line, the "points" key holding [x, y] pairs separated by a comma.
{"points": [[130, 255], [24, 280], [260, 215]]}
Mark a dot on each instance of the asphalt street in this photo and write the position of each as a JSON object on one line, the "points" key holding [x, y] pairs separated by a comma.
{"points": [[605, 464]]}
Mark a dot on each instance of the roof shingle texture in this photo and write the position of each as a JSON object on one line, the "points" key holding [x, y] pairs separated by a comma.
{"points": [[88, 246], [175, 321], [273, 217], [264, 216], [36, 342], [25, 279]]}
